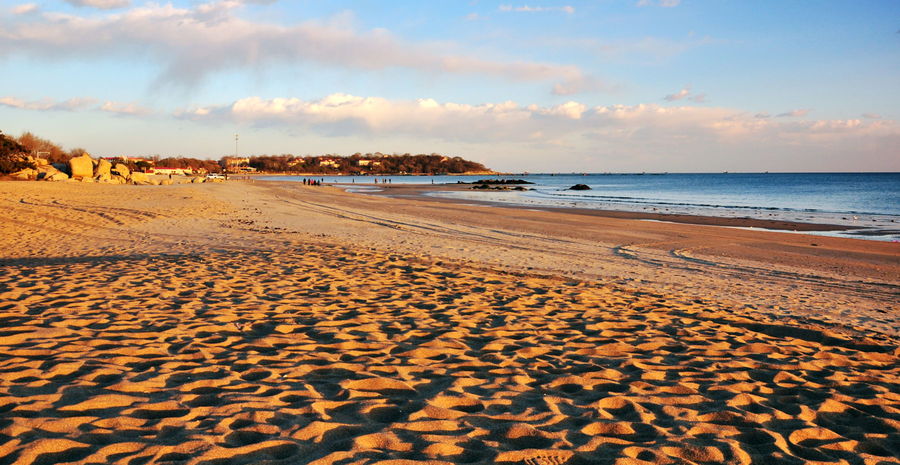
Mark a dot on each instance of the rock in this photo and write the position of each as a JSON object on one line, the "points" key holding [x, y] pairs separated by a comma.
{"points": [[197, 180], [87, 179], [103, 167], [116, 179], [502, 181], [103, 177], [43, 172], [580, 187], [26, 173], [138, 178], [64, 167], [81, 167], [166, 182], [57, 176], [121, 170]]}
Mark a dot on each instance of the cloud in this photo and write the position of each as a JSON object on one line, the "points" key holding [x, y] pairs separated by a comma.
{"points": [[126, 109], [48, 104], [100, 4], [582, 84], [537, 9], [871, 116], [76, 104], [662, 3], [24, 8], [193, 43], [685, 93], [799, 113], [344, 115]]}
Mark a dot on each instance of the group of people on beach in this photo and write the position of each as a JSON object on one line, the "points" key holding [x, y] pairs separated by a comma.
{"points": [[312, 182]]}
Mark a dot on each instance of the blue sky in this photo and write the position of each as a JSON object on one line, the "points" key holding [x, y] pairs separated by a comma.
{"points": [[636, 85]]}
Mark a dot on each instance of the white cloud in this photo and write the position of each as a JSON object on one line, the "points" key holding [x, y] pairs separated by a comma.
{"points": [[192, 43], [685, 93], [48, 104], [75, 104], [871, 116], [662, 3], [580, 137], [24, 8], [126, 109], [100, 4], [342, 115], [537, 9], [799, 113]]}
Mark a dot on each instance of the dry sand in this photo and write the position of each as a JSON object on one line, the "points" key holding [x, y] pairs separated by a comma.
{"points": [[272, 323]]}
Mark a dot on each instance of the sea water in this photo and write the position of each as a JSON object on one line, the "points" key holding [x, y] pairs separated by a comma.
{"points": [[868, 201]]}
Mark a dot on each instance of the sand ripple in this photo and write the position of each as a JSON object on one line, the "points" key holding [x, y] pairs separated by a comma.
{"points": [[329, 355]]}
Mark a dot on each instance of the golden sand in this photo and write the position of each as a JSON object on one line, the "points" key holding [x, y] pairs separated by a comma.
{"points": [[215, 325]]}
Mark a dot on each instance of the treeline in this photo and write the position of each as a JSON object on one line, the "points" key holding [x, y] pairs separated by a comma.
{"points": [[369, 163], [16, 151]]}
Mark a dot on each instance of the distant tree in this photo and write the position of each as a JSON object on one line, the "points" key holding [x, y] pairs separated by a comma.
{"points": [[142, 165], [77, 152], [13, 155], [43, 148]]}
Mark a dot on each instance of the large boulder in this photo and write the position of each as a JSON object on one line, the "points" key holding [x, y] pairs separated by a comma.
{"points": [[103, 168], [121, 170], [580, 187], [81, 167], [138, 178]]}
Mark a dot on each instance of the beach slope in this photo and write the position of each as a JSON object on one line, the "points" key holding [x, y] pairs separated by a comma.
{"points": [[267, 323]]}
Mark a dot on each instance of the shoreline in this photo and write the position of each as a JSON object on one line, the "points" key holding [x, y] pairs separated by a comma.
{"points": [[421, 192]]}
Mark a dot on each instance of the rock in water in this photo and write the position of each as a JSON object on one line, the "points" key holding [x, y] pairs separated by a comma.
{"points": [[81, 167], [580, 187]]}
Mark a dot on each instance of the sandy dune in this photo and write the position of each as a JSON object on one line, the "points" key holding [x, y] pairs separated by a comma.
{"points": [[215, 325]]}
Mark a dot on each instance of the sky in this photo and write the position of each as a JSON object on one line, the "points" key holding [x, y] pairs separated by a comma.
{"points": [[539, 86]]}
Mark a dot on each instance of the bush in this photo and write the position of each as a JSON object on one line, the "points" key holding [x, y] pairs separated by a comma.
{"points": [[13, 156]]}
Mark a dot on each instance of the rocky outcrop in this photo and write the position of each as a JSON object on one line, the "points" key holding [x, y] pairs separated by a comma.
{"points": [[580, 187], [81, 167]]}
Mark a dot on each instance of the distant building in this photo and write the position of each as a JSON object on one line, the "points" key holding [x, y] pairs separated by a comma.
{"points": [[372, 163], [125, 159], [167, 170], [329, 162], [233, 162]]}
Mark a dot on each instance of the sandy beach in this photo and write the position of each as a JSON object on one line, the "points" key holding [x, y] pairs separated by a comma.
{"points": [[254, 322]]}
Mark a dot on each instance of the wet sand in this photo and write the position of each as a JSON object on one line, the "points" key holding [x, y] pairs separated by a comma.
{"points": [[253, 322]]}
